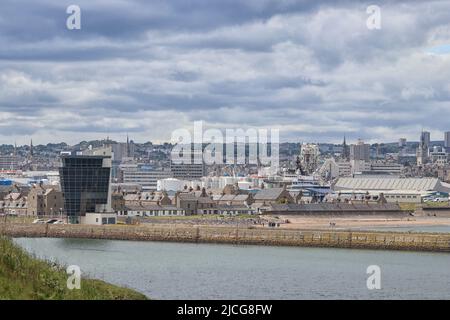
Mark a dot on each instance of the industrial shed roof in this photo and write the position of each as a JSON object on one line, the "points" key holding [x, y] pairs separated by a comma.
{"points": [[416, 184]]}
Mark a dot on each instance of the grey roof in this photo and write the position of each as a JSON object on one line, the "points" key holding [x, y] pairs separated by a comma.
{"points": [[268, 194], [205, 200], [241, 197], [187, 196], [151, 207], [417, 184], [335, 207], [131, 197], [227, 197], [233, 207]]}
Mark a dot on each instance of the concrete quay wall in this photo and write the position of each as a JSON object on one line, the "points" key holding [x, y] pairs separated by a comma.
{"points": [[232, 235]]}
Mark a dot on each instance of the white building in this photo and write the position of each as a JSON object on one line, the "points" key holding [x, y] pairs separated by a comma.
{"points": [[439, 156], [359, 166], [146, 177], [391, 196], [386, 167], [99, 218], [360, 151], [10, 162], [332, 169], [170, 184], [389, 184], [152, 211], [309, 157]]}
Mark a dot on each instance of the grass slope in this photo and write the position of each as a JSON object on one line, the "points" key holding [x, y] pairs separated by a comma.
{"points": [[23, 277]]}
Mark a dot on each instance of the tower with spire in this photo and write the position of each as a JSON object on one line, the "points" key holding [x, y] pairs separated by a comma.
{"points": [[31, 149], [128, 146], [345, 150]]}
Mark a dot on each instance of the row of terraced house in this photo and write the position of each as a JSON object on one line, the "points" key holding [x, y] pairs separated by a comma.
{"points": [[228, 201]]}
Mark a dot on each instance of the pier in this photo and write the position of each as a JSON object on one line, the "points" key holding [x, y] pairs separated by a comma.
{"points": [[383, 240]]}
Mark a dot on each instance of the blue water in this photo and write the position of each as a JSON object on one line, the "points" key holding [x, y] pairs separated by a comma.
{"points": [[208, 271]]}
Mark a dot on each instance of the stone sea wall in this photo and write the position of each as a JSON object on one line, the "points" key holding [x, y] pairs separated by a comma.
{"points": [[243, 235]]}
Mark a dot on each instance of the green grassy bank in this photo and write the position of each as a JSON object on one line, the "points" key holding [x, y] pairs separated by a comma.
{"points": [[23, 277]]}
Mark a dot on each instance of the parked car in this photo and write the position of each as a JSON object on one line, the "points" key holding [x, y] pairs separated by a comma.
{"points": [[36, 221], [59, 222], [51, 221]]}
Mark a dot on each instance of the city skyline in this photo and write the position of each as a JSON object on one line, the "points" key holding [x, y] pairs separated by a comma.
{"points": [[313, 70], [158, 142], [223, 151]]}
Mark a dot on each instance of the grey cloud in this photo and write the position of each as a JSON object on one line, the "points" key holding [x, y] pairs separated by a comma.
{"points": [[149, 67]]}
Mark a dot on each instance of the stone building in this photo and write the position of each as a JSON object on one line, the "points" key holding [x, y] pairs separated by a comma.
{"points": [[14, 203], [151, 210], [195, 202], [266, 197], [236, 199], [146, 198], [45, 201]]}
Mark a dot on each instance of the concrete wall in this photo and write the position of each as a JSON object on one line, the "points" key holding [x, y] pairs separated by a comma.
{"points": [[433, 212], [230, 235]]}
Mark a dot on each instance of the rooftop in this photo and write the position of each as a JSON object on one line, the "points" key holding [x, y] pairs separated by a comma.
{"points": [[416, 184]]}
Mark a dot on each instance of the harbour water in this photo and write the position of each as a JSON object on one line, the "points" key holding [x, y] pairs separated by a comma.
{"points": [[208, 271]]}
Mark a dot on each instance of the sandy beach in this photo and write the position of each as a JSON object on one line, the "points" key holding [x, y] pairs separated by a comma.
{"points": [[361, 222], [310, 222]]}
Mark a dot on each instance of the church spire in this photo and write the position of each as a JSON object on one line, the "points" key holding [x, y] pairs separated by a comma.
{"points": [[345, 150], [128, 146], [31, 148]]}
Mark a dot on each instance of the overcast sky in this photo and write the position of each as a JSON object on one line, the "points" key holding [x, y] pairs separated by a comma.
{"points": [[312, 69]]}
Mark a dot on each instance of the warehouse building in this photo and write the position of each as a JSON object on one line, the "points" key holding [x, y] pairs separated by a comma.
{"points": [[412, 190]]}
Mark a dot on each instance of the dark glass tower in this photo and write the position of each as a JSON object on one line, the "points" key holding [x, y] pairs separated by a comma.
{"points": [[84, 183]]}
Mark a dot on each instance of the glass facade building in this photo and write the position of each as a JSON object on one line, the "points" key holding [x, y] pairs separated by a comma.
{"points": [[84, 183]]}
